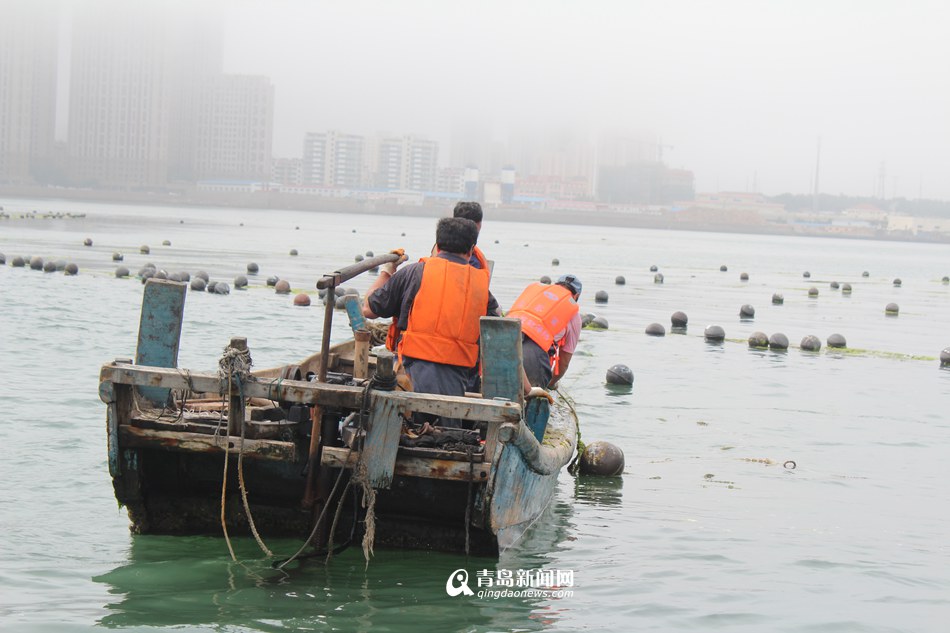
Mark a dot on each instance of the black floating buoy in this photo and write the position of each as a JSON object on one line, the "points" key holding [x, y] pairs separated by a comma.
{"points": [[202, 274], [655, 329], [369, 253], [813, 292], [845, 289], [496, 241], [121, 272], [758, 340], [619, 375], [404, 235], [146, 274], [747, 312], [339, 304], [293, 252], [744, 277], [620, 280], [87, 241], [601, 296], [679, 319], [184, 276], [555, 262], [599, 323], [897, 281], [834, 285], [161, 274], [36, 263], [545, 279], [282, 287], [714, 333], [321, 293], [3, 259], [166, 243], [892, 309], [240, 282], [71, 269], [723, 268], [374, 270], [806, 274], [587, 319], [296, 228], [778, 299], [658, 278], [252, 268], [17, 262], [211, 286], [49, 267], [351, 291], [602, 459], [222, 288], [339, 291], [778, 341], [837, 341], [272, 280], [811, 343], [945, 357], [60, 264], [117, 257], [653, 268], [358, 258], [353, 231], [945, 280], [198, 283], [144, 249]]}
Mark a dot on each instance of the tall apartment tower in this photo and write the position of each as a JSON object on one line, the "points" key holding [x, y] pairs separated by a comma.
{"points": [[120, 95], [28, 55], [333, 159], [234, 131], [408, 162]]}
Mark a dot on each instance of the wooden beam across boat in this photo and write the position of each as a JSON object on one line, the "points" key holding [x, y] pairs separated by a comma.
{"points": [[300, 391], [136, 437], [430, 468]]}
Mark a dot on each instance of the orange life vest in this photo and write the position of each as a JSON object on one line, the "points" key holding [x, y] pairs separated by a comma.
{"points": [[544, 310], [480, 256], [444, 319]]}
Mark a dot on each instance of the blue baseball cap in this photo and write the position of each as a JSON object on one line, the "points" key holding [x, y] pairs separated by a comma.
{"points": [[571, 282]]}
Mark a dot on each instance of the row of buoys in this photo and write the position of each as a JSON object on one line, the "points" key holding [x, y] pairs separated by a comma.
{"points": [[809, 343], [35, 215], [38, 263], [594, 322]]}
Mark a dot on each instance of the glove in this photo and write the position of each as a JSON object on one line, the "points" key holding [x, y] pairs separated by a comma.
{"points": [[538, 392], [390, 267]]}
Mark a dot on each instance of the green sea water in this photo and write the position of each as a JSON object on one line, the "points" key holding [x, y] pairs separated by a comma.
{"points": [[708, 529]]}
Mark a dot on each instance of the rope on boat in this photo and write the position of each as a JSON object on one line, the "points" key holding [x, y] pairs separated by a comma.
{"points": [[581, 447], [235, 366]]}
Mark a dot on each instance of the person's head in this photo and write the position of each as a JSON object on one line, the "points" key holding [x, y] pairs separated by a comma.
{"points": [[572, 283], [470, 211], [456, 235]]}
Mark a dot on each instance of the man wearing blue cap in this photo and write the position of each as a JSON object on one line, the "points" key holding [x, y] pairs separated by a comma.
{"points": [[550, 327]]}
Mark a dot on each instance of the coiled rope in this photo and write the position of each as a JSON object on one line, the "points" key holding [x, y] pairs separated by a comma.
{"points": [[235, 367]]}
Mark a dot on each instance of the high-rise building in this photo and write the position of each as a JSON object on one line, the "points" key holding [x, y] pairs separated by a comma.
{"points": [[287, 171], [409, 163], [334, 159], [235, 128], [28, 56]]}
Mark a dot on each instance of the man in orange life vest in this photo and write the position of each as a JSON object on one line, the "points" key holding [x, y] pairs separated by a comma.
{"points": [[436, 303], [472, 211], [550, 327]]}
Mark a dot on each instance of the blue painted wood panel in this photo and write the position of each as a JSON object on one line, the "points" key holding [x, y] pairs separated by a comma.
{"points": [[163, 308]]}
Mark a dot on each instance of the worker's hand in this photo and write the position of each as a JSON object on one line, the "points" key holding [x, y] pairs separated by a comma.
{"points": [[538, 392], [390, 267]]}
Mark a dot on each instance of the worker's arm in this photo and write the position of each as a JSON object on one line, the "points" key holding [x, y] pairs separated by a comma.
{"points": [[563, 361], [386, 271]]}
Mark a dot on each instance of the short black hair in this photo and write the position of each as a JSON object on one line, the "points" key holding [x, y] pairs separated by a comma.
{"points": [[468, 210], [456, 235]]}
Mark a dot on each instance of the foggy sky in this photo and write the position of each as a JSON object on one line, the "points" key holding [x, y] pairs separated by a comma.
{"points": [[742, 91]]}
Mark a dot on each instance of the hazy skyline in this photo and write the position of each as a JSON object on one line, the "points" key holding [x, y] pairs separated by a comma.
{"points": [[739, 92]]}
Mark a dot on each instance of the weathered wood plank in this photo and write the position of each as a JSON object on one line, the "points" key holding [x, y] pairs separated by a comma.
{"points": [[336, 457], [315, 393], [382, 441], [361, 354], [163, 309], [501, 367], [135, 437], [536, 414]]}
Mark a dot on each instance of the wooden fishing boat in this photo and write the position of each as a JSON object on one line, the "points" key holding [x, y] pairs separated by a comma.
{"points": [[323, 448]]}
